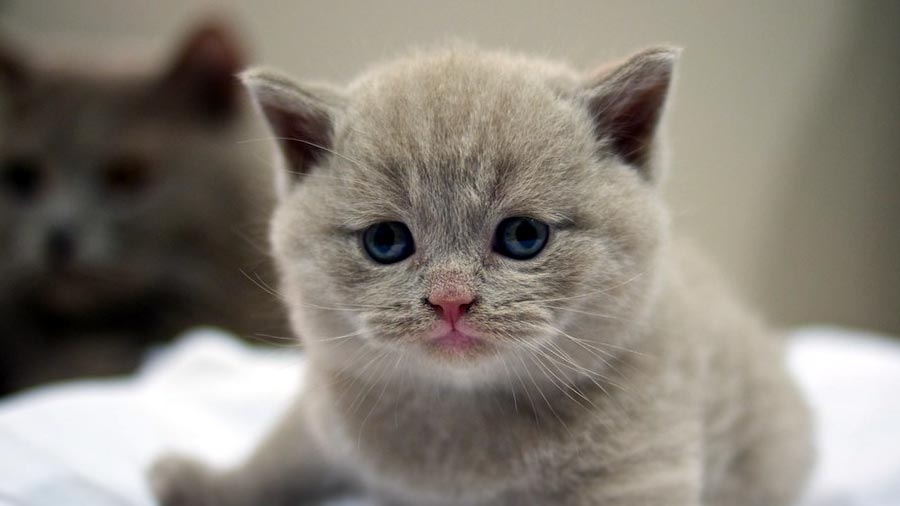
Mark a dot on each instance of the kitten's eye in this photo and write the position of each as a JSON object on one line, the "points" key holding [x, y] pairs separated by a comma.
{"points": [[388, 242], [22, 176], [521, 238], [127, 174]]}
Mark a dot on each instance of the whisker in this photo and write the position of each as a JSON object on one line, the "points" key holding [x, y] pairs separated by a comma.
{"points": [[362, 426], [562, 384], [336, 338], [279, 340], [541, 393], [597, 292], [308, 143], [596, 343], [587, 313], [509, 379]]}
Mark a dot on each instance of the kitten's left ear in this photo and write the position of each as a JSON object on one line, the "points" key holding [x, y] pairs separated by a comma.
{"points": [[302, 118], [203, 73], [627, 102]]}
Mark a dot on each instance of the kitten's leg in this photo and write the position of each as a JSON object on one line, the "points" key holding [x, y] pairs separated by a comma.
{"points": [[288, 469]]}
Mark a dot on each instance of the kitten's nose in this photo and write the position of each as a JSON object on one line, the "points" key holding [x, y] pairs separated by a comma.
{"points": [[60, 246], [451, 306]]}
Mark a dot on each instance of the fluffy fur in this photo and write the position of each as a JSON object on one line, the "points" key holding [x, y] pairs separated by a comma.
{"points": [[613, 369], [129, 210]]}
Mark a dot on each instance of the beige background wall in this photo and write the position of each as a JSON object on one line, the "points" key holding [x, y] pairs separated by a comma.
{"points": [[785, 129]]}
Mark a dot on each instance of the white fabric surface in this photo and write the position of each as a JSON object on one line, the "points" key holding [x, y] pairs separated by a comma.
{"points": [[89, 442]]}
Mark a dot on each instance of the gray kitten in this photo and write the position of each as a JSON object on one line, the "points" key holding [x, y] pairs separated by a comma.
{"points": [[128, 209], [474, 249]]}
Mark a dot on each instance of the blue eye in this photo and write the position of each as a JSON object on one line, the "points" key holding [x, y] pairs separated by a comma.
{"points": [[388, 242], [521, 238]]}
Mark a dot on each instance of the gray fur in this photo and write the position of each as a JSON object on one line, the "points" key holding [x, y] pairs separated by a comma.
{"points": [[172, 247], [616, 370]]}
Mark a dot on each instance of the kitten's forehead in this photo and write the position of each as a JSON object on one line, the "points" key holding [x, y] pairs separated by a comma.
{"points": [[454, 133]]}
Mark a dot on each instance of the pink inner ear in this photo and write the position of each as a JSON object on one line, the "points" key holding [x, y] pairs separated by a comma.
{"points": [[304, 138], [628, 101], [632, 120]]}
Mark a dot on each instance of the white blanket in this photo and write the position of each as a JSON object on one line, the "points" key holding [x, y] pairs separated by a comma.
{"points": [[89, 442]]}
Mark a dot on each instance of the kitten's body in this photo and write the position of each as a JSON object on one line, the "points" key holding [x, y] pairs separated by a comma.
{"points": [[129, 210], [609, 369]]}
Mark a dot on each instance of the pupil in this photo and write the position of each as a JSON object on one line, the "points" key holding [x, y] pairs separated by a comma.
{"points": [[385, 237], [526, 233]]}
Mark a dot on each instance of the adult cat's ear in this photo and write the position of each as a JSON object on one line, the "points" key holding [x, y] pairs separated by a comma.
{"points": [[300, 117], [627, 101], [203, 72], [14, 71]]}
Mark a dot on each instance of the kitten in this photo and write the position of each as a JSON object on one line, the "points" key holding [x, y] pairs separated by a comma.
{"points": [[474, 249], [128, 210]]}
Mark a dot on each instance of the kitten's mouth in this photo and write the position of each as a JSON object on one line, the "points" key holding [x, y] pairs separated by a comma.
{"points": [[455, 342]]}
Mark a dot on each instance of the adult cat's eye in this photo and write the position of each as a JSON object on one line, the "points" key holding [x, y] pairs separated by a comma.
{"points": [[22, 176], [128, 173], [521, 238], [388, 242]]}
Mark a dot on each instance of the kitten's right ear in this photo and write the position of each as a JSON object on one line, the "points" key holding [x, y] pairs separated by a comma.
{"points": [[627, 102], [302, 118]]}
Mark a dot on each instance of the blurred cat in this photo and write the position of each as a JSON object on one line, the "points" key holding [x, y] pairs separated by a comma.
{"points": [[474, 248], [129, 210]]}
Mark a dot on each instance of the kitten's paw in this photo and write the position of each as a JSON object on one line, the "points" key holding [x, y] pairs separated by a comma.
{"points": [[178, 481]]}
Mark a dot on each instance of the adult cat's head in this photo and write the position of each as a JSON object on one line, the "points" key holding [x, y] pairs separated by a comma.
{"points": [[116, 183], [462, 213]]}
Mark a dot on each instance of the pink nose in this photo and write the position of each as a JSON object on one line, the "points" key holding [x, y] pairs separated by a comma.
{"points": [[451, 307]]}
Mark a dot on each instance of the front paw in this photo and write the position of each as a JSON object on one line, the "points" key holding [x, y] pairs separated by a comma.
{"points": [[178, 481]]}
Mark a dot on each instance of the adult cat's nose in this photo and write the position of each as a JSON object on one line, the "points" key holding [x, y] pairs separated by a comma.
{"points": [[451, 305], [59, 246]]}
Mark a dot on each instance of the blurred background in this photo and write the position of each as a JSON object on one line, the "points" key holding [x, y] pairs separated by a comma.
{"points": [[786, 155]]}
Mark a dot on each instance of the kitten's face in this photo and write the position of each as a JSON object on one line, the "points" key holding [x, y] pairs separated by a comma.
{"points": [[106, 182], [498, 227]]}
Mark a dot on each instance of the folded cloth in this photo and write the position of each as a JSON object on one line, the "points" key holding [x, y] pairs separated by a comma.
{"points": [[852, 380], [213, 397]]}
